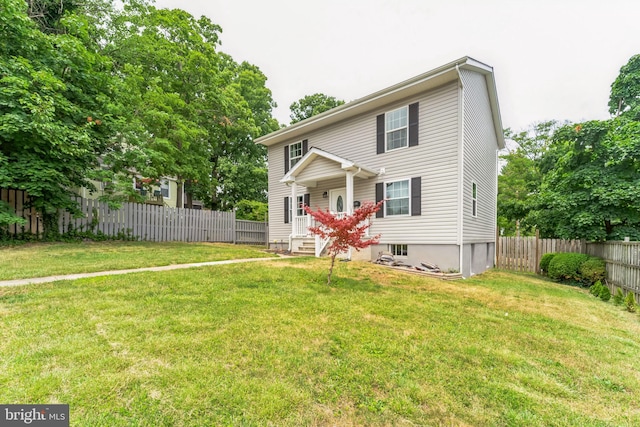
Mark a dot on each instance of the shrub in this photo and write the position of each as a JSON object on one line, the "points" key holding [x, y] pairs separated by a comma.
{"points": [[630, 302], [592, 270], [565, 266], [618, 298], [605, 293], [545, 260], [595, 289]]}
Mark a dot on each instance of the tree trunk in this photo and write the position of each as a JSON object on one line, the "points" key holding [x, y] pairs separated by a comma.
{"points": [[333, 260], [179, 202], [189, 195]]}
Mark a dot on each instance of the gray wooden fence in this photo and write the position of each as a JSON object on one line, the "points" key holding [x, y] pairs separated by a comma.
{"points": [[622, 258], [143, 221]]}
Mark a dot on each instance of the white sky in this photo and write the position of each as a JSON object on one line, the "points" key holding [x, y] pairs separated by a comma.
{"points": [[552, 59]]}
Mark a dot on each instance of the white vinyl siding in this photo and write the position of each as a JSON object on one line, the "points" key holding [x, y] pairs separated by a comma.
{"points": [[480, 167], [397, 128], [435, 160]]}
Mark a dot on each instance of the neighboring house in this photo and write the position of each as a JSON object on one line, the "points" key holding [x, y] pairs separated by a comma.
{"points": [[428, 146], [163, 193]]}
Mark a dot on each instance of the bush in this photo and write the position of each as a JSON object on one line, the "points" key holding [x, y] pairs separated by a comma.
{"points": [[618, 298], [592, 270], [545, 260], [605, 293], [630, 302], [595, 289], [565, 266]]}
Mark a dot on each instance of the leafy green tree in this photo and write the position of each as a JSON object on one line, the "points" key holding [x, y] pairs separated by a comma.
{"points": [[591, 182], [311, 105], [194, 111], [55, 107], [520, 177], [625, 90]]}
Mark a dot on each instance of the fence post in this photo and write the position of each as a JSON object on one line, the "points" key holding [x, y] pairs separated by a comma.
{"points": [[538, 254], [497, 247], [266, 230], [235, 225]]}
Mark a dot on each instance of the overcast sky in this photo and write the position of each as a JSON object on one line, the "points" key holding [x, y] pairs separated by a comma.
{"points": [[552, 59]]}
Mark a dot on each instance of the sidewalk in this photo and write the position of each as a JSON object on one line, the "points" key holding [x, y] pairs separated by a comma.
{"points": [[34, 280]]}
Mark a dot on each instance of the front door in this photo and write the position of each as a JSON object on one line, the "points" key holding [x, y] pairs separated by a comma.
{"points": [[338, 200]]}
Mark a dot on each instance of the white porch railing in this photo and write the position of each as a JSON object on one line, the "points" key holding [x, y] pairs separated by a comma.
{"points": [[301, 226]]}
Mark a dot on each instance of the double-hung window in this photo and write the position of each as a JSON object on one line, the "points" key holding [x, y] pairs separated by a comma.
{"points": [[299, 204], [164, 188], [396, 128], [397, 196], [295, 153]]}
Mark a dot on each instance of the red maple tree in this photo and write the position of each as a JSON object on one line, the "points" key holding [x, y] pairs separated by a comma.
{"points": [[344, 231]]}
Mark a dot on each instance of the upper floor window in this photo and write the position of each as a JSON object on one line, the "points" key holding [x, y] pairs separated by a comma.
{"points": [[396, 128], [474, 199], [397, 196], [295, 153]]}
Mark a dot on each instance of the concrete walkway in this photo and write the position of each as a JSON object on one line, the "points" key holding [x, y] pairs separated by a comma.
{"points": [[33, 280]]}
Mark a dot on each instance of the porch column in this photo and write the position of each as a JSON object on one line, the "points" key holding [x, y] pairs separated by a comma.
{"points": [[294, 207], [349, 178]]}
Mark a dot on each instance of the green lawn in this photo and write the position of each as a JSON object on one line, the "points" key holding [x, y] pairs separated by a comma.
{"points": [[271, 344], [42, 259]]}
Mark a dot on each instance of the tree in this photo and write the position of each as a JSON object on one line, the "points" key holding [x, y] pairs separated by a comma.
{"points": [[591, 182], [520, 177], [625, 90], [311, 105], [194, 111], [344, 232], [56, 115]]}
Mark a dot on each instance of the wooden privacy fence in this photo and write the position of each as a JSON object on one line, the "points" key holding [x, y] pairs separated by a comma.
{"points": [[143, 221], [524, 253], [622, 259]]}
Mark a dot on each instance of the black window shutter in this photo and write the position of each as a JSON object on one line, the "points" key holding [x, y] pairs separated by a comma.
{"points": [[286, 158], [413, 125], [380, 196], [416, 200], [305, 146], [380, 133], [286, 210], [307, 199]]}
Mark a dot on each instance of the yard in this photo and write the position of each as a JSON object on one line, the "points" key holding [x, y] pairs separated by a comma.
{"points": [[271, 344], [42, 260]]}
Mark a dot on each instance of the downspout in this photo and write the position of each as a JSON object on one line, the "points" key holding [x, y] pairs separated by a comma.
{"points": [[460, 169]]}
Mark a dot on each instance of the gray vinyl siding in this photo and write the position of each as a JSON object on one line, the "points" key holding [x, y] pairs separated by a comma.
{"points": [[435, 160], [480, 153], [318, 168]]}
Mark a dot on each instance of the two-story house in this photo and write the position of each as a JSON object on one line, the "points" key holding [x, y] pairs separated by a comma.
{"points": [[428, 146]]}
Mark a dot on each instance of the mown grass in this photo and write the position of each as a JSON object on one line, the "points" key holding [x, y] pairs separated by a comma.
{"points": [[49, 259], [271, 344]]}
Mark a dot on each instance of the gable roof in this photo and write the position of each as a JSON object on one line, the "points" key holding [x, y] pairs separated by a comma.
{"points": [[431, 79], [313, 153]]}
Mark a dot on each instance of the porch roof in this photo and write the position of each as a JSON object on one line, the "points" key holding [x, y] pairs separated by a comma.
{"points": [[342, 167]]}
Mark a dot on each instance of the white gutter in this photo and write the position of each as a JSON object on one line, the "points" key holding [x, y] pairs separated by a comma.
{"points": [[461, 169]]}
